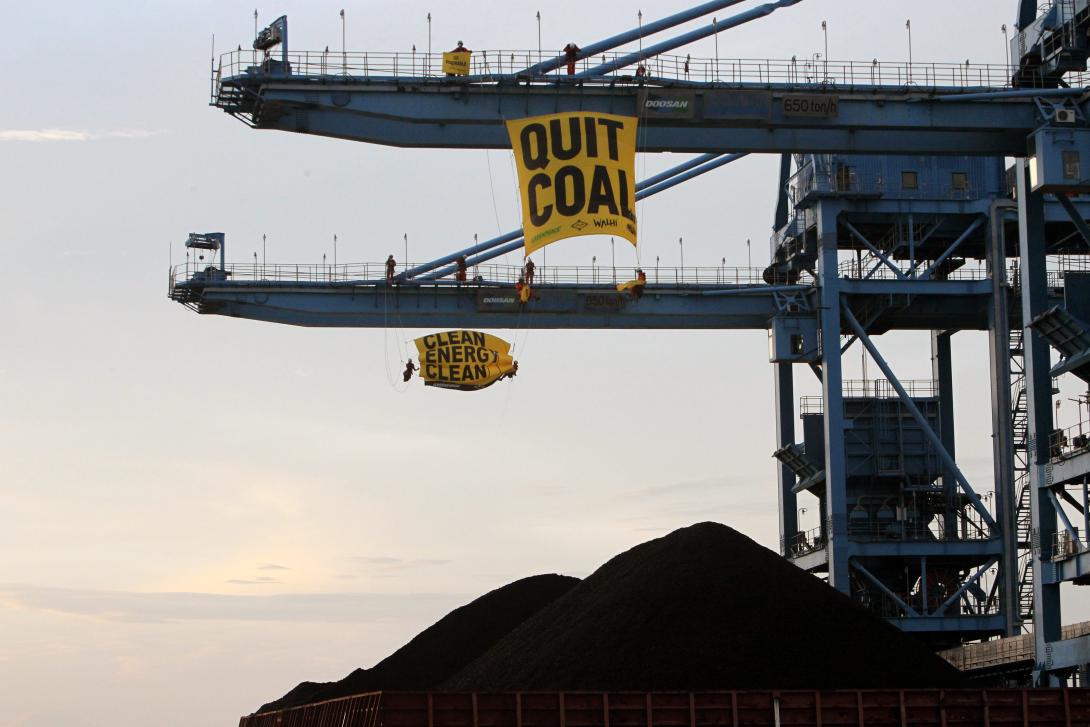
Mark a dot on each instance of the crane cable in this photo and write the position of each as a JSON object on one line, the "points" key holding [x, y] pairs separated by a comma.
{"points": [[386, 342]]}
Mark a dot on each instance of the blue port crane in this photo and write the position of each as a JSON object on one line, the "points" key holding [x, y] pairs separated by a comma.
{"points": [[896, 211]]}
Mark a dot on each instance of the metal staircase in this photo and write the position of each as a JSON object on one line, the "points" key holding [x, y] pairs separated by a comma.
{"points": [[1020, 431]]}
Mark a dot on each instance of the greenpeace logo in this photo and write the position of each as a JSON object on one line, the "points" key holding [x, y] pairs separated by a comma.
{"points": [[667, 104]]}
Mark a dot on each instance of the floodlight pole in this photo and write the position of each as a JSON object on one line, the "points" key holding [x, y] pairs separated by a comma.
{"points": [[344, 47], [908, 27]]}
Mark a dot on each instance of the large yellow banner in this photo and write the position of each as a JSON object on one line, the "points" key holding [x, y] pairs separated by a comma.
{"points": [[577, 176], [465, 360]]}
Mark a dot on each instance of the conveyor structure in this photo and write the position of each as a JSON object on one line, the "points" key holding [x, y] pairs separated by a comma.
{"points": [[897, 211]]}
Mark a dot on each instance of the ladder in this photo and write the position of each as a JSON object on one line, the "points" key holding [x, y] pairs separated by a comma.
{"points": [[1020, 438]]}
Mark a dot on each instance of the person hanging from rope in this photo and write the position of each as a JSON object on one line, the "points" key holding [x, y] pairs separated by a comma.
{"points": [[511, 373], [391, 266], [528, 271], [571, 55], [410, 369], [641, 70], [460, 275], [523, 291]]}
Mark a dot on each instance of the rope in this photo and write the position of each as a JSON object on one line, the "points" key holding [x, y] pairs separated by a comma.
{"points": [[492, 189], [641, 214], [386, 344]]}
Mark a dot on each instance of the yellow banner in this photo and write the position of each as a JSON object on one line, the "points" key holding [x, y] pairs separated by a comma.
{"points": [[456, 63], [465, 360], [577, 176]]}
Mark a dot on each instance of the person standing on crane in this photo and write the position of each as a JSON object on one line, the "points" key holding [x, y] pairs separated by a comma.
{"points": [[571, 55], [391, 266], [459, 69], [460, 275], [528, 271]]}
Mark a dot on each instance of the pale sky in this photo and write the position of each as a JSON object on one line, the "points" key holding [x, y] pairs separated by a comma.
{"points": [[199, 512]]}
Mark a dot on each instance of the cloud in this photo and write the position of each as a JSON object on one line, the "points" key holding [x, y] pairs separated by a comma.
{"points": [[139, 607], [272, 566], [73, 134], [259, 581]]}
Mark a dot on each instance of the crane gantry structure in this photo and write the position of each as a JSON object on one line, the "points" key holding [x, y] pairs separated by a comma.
{"points": [[867, 240]]}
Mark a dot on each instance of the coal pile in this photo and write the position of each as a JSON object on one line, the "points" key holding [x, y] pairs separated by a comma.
{"points": [[703, 608], [444, 648]]}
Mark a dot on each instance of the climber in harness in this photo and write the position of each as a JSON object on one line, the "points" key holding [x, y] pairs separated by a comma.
{"points": [[460, 275], [410, 369], [510, 373], [528, 271], [391, 266], [523, 291]]}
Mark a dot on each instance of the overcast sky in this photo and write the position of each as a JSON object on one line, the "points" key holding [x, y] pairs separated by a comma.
{"points": [[199, 512]]}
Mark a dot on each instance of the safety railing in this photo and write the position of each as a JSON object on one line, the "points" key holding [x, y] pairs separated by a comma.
{"points": [[871, 389], [608, 275], [806, 542], [487, 64], [364, 273], [1067, 545], [969, 525], [1070, 441], [871, 269], [882, 604]]}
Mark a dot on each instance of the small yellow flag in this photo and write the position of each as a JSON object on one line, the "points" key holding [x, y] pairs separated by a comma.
{"points": [[456, 63]]}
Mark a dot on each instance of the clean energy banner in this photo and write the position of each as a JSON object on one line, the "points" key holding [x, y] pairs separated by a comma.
{"points": [[465, 360], [577, 176]]}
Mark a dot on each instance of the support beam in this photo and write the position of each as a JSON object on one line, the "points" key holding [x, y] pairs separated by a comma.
{"points": [[785, 435], [1031, 230], [875, 251], [884, 588], [1076, 218], [942, 371], [916, 414], [668, 45], [965, 587], [832, 378], [953, 248], [783, 200], [517, 234], [1059, 508], [628, 36], [1006, 497], [681, 173]]}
